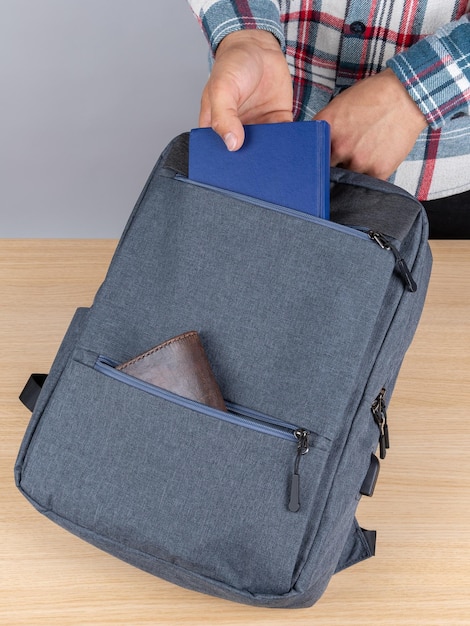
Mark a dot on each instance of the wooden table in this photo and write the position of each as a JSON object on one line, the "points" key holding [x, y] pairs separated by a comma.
{"points": [[421, 507]]}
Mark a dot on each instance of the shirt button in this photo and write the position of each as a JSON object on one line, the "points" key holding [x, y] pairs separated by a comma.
{"points": [[357, 28]]}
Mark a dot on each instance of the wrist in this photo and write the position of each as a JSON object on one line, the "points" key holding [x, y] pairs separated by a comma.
{"points": [[254, 36], [398, 89]]}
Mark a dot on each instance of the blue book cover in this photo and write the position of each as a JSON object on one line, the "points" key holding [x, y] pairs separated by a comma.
{"points": [[287, 164]]}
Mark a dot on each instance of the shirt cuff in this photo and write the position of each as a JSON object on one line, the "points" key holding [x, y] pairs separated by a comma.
{"points": [[219, 19], [436, 72]]}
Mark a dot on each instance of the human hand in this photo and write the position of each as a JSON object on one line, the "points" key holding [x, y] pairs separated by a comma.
{"points": [[250, 83], [374, 125]]}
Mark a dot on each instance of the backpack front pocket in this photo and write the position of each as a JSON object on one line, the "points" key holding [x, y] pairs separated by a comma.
{"points": [[176, 481]]}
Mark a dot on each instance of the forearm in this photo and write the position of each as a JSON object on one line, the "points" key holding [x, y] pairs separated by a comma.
{"points": [[436, 72], [218, 18]]}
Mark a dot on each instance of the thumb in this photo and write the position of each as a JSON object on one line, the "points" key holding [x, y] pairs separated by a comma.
{"points": [[219, 111], [231, 130]]}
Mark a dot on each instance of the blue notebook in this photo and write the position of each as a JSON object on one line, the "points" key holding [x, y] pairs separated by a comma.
{"points": [[287, 164]]}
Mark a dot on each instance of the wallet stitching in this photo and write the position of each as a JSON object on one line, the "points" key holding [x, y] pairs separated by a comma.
{"points": [[190, 333]]}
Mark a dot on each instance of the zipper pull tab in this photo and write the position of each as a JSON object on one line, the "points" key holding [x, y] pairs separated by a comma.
{"points": [[379, 412], [404, 271], [400, 263], [382, 446], [302, 448]]}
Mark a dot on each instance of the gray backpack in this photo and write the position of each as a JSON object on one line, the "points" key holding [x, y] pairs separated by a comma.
{"points": [[305, 323]]}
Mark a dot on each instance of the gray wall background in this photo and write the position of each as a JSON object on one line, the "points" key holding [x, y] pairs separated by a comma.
{"points": [[91, 91]]}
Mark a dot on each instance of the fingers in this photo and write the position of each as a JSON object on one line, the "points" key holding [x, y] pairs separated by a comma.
{"points": [[219, 112], [367, 158], [249, 83], [374, 125], [225, 119]]}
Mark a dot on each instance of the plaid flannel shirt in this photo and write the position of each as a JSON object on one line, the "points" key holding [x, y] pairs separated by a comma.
{"points": [[330, 44]]}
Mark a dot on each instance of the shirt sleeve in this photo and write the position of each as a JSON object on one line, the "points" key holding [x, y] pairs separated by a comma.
{"points": [[218, 18], [436, 72]]}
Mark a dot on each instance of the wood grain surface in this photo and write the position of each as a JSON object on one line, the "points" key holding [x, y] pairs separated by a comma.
{"points": [[420, 575]]}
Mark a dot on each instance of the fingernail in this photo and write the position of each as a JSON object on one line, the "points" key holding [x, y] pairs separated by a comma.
{"points": [[230, 141]]}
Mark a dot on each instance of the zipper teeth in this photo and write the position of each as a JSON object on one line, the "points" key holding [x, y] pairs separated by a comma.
{"points": [[251, 413], [241, 416], [278, 208]]}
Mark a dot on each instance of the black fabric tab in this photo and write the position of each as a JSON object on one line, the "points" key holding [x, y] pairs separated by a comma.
{"points": [[371, 538], [31, 390]]}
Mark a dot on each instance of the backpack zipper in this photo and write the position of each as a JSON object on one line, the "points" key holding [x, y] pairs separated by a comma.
{"points": [[265, 204], [237, 414], [362, 233], [302, 448], [379, 413], [400, 263]]}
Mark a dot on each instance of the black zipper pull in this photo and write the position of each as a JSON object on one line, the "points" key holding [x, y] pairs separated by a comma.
{"points": [[379, 412], [400, 263], [302, 448]]}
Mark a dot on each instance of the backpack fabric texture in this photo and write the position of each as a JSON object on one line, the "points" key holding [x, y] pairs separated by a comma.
{"points": [[305, 323]]}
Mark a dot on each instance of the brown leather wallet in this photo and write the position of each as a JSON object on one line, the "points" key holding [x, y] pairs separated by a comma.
{"points": [[179, 365]]}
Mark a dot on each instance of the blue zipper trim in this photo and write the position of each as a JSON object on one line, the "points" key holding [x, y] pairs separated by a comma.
{"points": [[257, 415], [360, 232], [278, 208], [241, 416]]}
